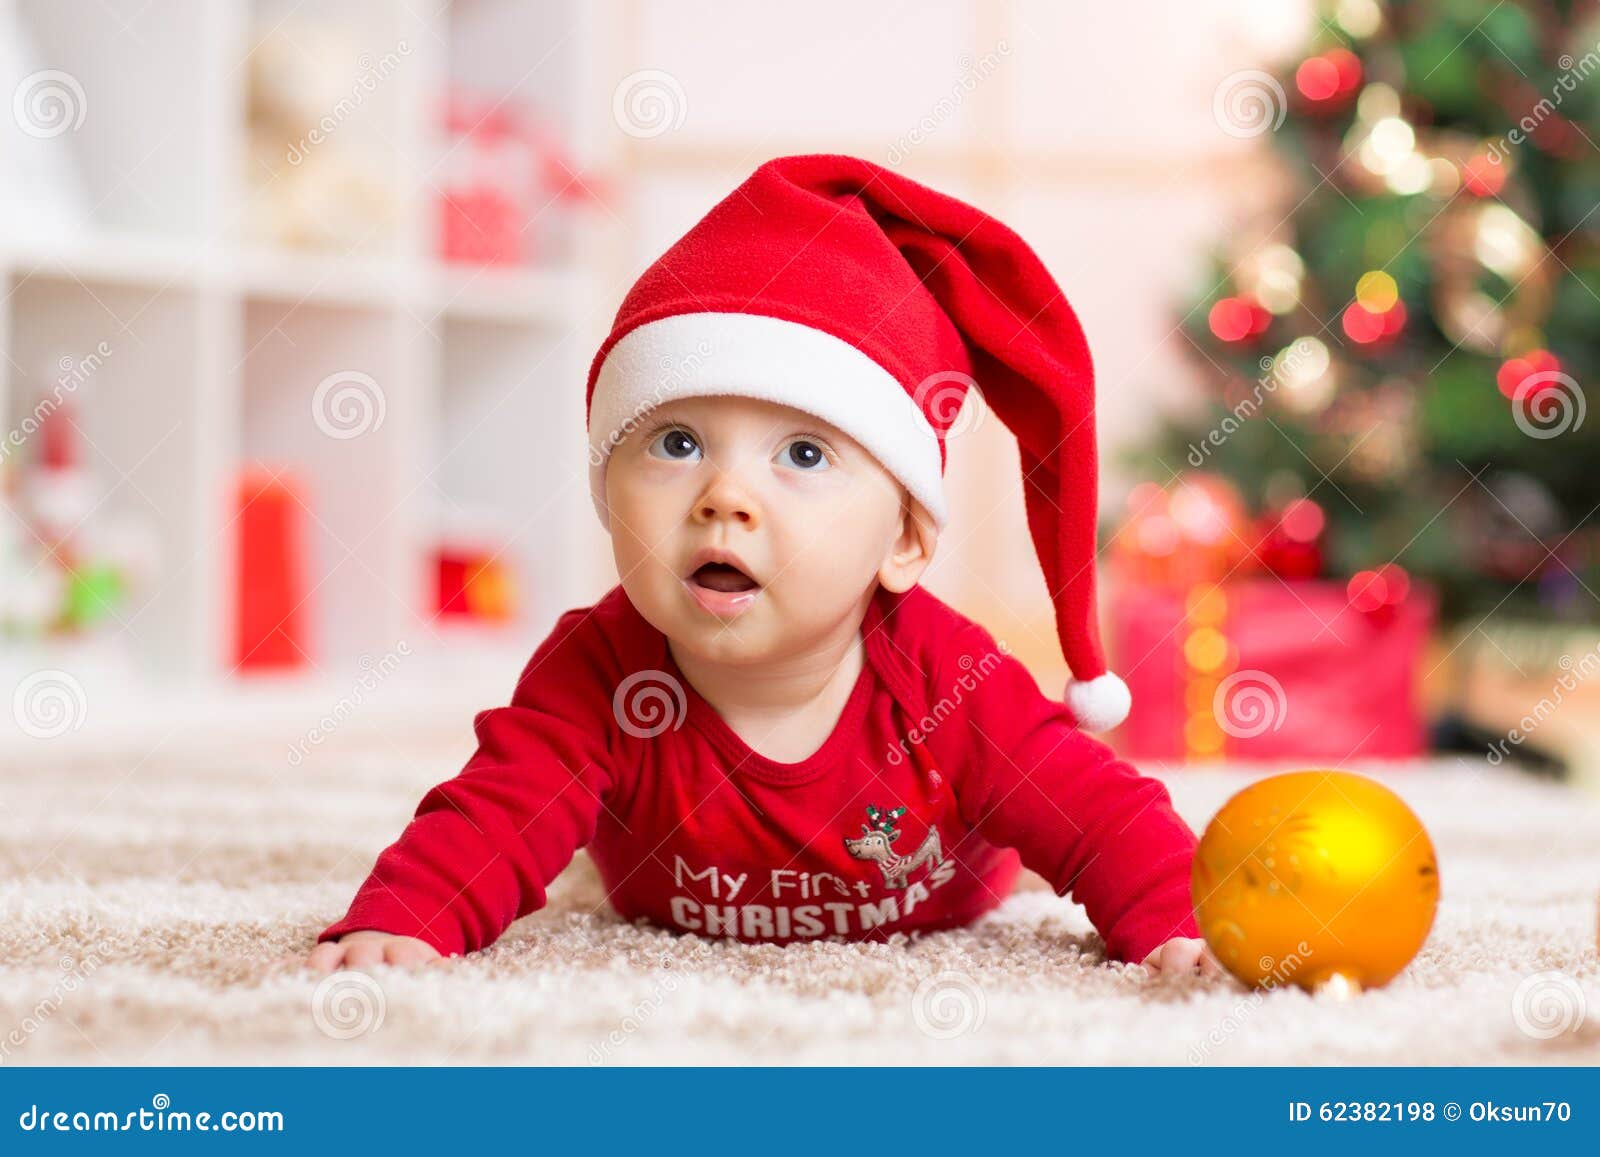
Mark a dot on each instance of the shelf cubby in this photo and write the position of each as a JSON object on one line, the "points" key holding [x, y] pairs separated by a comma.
{"points": [[220, 336]]}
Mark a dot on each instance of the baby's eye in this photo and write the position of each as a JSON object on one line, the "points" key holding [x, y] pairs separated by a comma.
{"points": [[675, 444], [804, 454]]}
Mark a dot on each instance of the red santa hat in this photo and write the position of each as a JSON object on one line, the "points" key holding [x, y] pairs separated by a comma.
{"points": [[843, 289]]}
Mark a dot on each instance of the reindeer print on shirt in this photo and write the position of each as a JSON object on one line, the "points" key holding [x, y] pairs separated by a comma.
{"points": [[875, 846]]}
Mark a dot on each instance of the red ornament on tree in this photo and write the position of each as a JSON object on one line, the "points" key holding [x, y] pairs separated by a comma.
{"points": [[1289, 541], [1538, 370], [1237, 319], [1327, 81], [1378, 592], [1482, 175], [1370, 327]]}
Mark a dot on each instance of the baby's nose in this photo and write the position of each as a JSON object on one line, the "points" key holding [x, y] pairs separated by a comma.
{"points": [[726, 498], [709, 512]]}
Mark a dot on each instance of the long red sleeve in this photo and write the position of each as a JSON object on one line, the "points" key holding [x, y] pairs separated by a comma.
{"points": [[1086, 821], [484, 845]]}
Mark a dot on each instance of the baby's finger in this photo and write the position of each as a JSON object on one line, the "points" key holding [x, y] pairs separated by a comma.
{"points": [[407, 953], [363, 954], [1177, 958], [325, 957]]}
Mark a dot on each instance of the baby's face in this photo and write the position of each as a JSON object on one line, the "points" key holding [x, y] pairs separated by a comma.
{"points": [[746, 531]]}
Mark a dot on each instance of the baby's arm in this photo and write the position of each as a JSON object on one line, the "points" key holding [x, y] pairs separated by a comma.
{"points": [[483, 846], [1086, 821]]}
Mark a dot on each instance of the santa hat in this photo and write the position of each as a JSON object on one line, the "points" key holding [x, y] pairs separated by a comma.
{"points": [[843, 289]]}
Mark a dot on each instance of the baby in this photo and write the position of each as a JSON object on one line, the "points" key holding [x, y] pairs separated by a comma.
{"points": [[768, 731]]}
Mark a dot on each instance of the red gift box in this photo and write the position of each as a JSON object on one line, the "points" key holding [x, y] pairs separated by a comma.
{"points": [[1266, 669]]}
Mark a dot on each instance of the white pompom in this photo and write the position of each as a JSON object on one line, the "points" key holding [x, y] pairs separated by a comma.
{"points": [[1101, 703]]}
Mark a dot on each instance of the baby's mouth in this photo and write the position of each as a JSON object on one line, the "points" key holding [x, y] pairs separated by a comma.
{"points": [[721, 577]]}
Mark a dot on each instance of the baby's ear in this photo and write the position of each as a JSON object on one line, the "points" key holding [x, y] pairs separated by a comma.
{"points": [[912, 549]]}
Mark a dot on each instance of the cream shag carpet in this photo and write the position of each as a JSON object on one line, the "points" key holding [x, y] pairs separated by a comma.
{"points": [[146, 900]]}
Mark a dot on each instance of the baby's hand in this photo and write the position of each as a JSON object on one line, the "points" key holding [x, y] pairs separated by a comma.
{"points": [[1183, 954], [361, 949]]}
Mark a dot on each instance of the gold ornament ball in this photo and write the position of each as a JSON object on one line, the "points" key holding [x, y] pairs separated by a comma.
{"points": [[1315, 878]]}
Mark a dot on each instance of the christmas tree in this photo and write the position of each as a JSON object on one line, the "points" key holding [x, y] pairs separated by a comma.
{"points": [[1403, 347]]}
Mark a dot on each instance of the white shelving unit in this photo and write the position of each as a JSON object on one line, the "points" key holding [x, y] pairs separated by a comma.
{"points": [[218, 342]]}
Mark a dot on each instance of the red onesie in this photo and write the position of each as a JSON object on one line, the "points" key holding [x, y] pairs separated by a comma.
{"points": [[946, 765]]}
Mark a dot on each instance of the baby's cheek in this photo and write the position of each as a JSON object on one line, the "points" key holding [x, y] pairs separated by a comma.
{"points": [[826, 576]]}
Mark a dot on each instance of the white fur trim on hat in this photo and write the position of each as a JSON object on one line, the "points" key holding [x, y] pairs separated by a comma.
{"points": [[696, 355], [1099, 703]]}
